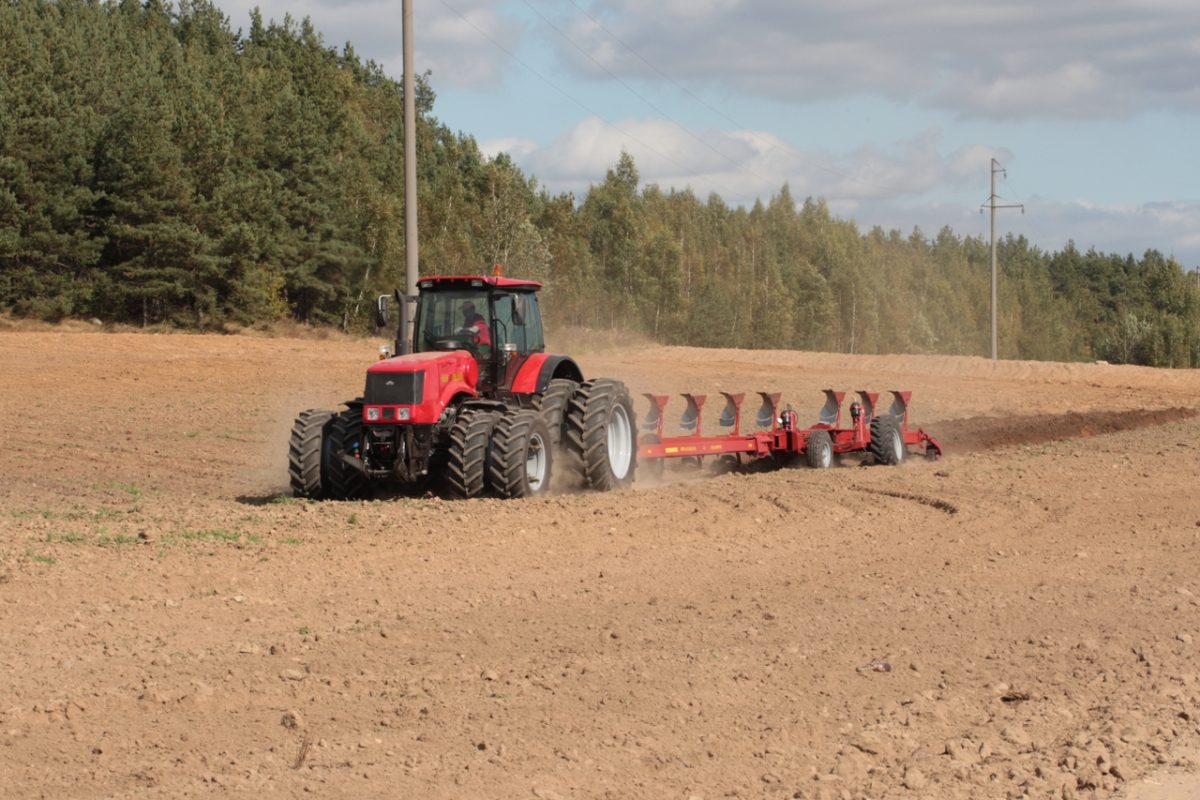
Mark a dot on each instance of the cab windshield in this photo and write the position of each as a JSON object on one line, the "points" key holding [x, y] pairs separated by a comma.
{"points": [[447, 314]]}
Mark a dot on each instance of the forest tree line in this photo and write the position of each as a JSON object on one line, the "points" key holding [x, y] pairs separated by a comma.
{"points": [[159, 167]]}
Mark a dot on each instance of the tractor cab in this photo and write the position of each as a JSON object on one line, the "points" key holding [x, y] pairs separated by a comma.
{"points": [[494, 319]]}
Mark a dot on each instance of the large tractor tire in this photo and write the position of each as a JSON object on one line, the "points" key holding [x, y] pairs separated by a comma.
{"points": [[467, 456], [306, 449], [601, 434], [522, 458], [887, 441], [818, 452], [345, 437], [552, 405]]}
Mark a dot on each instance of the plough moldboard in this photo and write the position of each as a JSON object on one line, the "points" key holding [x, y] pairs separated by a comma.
{"points": [[779, 435]]}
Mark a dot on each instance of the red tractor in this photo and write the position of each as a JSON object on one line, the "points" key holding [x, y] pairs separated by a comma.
{"points": [[473, 404]]}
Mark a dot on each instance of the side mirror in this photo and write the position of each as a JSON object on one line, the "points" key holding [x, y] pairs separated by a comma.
{"points": [[381, 311], [518, 316]]}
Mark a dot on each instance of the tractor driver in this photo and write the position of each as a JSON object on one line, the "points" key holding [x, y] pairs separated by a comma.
{"points": [[475, 325]]}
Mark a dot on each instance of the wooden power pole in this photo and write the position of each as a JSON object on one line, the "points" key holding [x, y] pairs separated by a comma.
{"points": [[993, 205], [410, 170]]}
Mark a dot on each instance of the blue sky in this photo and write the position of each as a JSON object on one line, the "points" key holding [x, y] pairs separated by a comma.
{"points": [[890, 111]]}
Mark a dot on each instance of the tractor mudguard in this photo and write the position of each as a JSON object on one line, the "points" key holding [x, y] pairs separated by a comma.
{"points": [[541, 368]]}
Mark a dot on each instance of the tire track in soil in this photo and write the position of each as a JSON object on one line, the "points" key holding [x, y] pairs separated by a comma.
{"points": [[944, 506], [974, 434]]}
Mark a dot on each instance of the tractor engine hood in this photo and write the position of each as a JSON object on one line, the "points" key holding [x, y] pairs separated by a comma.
{"points": [[416, 388]]}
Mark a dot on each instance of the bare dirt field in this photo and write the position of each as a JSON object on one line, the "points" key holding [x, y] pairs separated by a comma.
{"points": [[173, 624]]}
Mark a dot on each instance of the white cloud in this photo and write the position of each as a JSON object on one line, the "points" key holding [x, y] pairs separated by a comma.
{"points": [[987, 58], [901, 185], [460, 41], [1169, 227], [516, 147], [742, 165]]}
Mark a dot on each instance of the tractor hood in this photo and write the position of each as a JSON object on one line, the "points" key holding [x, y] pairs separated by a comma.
{"points": [[416, 388]]}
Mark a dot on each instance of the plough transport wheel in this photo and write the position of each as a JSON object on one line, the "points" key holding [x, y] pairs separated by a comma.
{"points": [[818, 454], [887, 441]]}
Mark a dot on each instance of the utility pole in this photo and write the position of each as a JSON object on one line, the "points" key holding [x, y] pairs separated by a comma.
{"points": [[410, 173], [993, 205]]}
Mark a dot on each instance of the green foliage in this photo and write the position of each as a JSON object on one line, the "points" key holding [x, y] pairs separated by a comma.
{"points": [[157, 167]]}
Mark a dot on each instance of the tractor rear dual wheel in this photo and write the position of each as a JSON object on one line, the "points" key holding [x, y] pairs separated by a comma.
{"points": [[601, 434], [552, 406]]}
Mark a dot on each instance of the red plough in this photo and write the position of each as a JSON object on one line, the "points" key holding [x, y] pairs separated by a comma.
{"points": [[778, 435]]}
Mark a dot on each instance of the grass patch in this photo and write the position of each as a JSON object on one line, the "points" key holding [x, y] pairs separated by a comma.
{"points": [[293, 540], [40, 558], [283, 500], [214, 535], [118, 540], [66, 538], [128, 488], [353, 518], [237, 538], [304, 631], [240, 436], [31, 514]]}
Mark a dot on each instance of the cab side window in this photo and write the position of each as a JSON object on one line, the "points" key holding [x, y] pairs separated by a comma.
{"points": [[519, 323], [533, 325]]}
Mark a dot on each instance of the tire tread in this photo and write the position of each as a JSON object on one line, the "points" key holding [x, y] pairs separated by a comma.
{"points": [[467, 455]]}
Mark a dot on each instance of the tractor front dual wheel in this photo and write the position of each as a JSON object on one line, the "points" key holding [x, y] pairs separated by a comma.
{"points": [[522, 456], [345, 438], [601, 434], [306, 447], [318, 442], [466, 459]]}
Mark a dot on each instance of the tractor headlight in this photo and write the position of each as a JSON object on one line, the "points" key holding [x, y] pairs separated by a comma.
{"points": [[372, 414], [403, 413]]}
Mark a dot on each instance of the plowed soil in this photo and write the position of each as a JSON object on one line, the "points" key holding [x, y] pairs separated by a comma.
{"points": [[1020, 618]]}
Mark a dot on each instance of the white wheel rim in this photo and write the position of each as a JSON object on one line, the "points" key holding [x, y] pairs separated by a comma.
{"points": [[826, 455], [620, 442], [535, 462], [898, 446]]}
